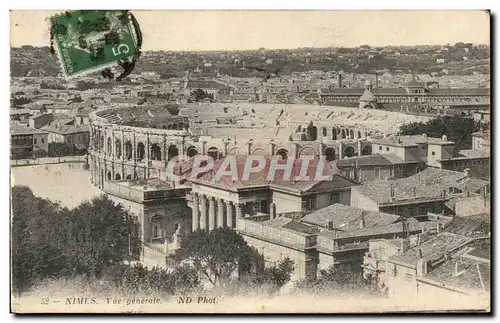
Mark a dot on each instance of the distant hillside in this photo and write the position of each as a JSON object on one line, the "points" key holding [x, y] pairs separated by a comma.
{"points": [[33, 61]]}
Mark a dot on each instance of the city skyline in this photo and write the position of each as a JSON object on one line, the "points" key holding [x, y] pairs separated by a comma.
{"points": [[264, 29]]}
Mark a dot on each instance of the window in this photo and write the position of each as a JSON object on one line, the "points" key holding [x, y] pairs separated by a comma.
{"points": [[156, 231], [309, 203], [68, 140], [334, 198], [408, 277], [43, 140], [377, 173], [34, 141], [387, 148], [379, 147], [433, 153], [176, 227]]}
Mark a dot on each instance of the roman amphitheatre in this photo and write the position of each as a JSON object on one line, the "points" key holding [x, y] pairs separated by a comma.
{"points": [[136, 142]]}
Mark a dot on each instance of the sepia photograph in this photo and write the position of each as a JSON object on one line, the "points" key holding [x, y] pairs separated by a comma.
{"points": [[250, 161]]}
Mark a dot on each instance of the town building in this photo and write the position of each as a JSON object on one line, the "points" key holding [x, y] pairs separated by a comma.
{"points": [[378, 167], [413, 93], [417, 195], [26, 142], [213, 202], [481, 141], [70, 134], [435, 152]]}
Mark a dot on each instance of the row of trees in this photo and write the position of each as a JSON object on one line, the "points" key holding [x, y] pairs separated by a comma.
{"points": [[50, 241], [94, 241], [456, 128]]}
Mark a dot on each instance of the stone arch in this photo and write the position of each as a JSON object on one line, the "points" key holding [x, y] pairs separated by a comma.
{"points": [[282, 152], [214, 152], [128, 150], [101, 143], [192, 151], [109, 175], [129, 177], [342, 134], [351, 134], [334, 134], [118, 177], [118, 148], [366, 150], [155, 152], [359, 134], [325, 132], [109, 146], [140, 151], [349, 151], [259, 151], [174, 126], [235, 151], [330, 154], [172, 151], [308, 150]]}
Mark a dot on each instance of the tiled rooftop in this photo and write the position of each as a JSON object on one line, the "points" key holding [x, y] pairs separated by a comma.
{"points": [[347, 218], [66, 129], [260, 178], [371, 160], [471, 275], [410, 141], [432, 250], [18, 130]]}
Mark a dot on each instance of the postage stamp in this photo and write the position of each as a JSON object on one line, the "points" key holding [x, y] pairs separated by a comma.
{"points": [[90, 40]]}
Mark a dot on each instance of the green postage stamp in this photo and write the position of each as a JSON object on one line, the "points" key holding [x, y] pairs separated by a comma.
{"points": [[90, 40]]}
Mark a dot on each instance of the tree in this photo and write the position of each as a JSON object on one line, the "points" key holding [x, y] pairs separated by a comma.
{"points": [[173, 109], [198, 95], [34, 252], [456, 128], [311, 132], [50, 241], [338, 279], [141, 280], [215, 254], [98, 234]]}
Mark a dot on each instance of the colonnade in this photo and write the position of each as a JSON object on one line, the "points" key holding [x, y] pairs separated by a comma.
{"points": [[209, 213]]}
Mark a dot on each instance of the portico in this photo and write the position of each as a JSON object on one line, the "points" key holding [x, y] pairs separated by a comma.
{"points": [[210, 212]]}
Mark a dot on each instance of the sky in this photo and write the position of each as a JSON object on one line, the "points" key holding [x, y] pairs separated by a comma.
{"points": [[242, 30]]}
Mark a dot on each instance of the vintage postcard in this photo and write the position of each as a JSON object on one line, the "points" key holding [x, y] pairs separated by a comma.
{"points": [[250, 161]]}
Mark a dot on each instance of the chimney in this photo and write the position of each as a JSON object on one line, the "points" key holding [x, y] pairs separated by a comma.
{"points": [[421, 267], [424, 135], [340, 80], [414, 193], [392, 193], [273, 211], [330, 225], [438, 227], [362, 222], [445, 138], [404, 245]]}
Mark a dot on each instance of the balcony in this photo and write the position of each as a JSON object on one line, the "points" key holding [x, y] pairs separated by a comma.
{"points": [[142, 192]]}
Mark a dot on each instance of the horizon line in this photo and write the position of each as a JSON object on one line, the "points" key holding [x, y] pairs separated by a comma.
{"points": [[280, 49]]}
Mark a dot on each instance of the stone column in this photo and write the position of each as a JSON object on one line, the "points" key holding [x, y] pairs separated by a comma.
{"points": [[203, 215], [220, 213], [196, 213], [229, 214], [239, 210], [211, 214]]}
